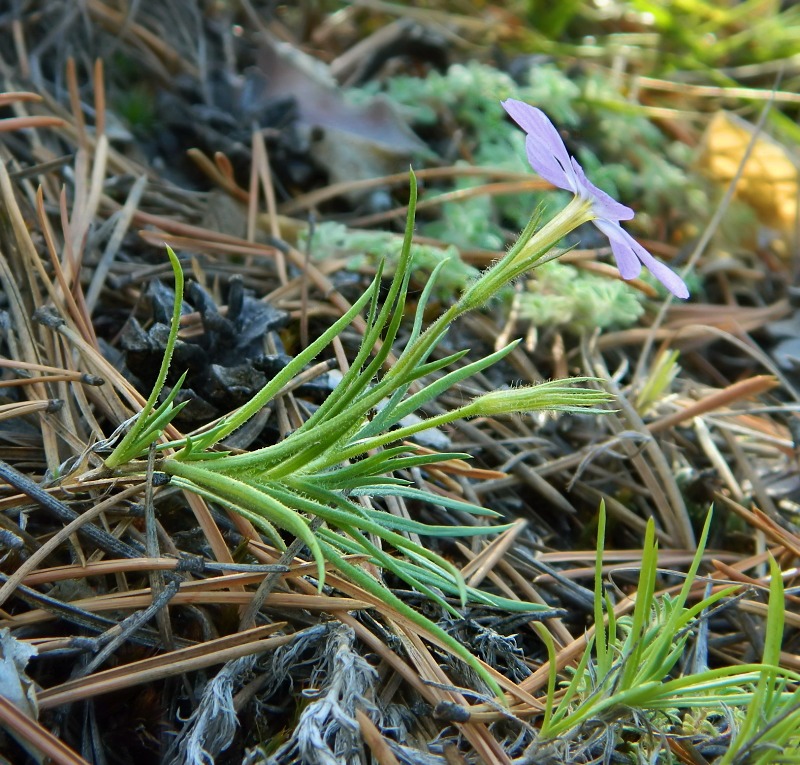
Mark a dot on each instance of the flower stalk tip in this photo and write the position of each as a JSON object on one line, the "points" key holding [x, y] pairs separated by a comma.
{"points": [[554, 395], [549, 157]]}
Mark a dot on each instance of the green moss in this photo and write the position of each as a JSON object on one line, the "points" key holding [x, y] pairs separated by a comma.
{"points": [[563, 296]]}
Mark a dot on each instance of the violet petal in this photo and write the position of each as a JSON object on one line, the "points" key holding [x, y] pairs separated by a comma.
{"points": [[664, 274], [628, 263], [604, 205], [546, 151], [630, 255]]}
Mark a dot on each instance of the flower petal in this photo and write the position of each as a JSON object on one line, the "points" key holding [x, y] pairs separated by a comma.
{"points": [[664, 274], [628, 263], [546, 151], [604, 205], [629, 255]]}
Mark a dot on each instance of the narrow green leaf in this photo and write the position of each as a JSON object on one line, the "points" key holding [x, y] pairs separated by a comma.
{"points": [[408, 525], [366, 582], [410, 492], [433, 390], [564, 711], [125, 450], [552, 672], [633, 647], [257, 519], [245, 495], [381, 464], [319, 503], [422, 303], [155, 426], [357, 378], [397, 566], [601, 645]]}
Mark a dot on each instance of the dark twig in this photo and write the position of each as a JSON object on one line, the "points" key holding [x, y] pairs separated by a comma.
{"points": [[248, 619], [105, 541], [121, 632], [75, 615]]}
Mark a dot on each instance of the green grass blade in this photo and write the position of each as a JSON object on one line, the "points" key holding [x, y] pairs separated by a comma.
{"points": [[124, 451], [601, 645], [633, 646]]}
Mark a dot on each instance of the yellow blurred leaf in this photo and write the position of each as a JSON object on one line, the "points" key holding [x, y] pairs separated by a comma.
{"points": [[769, 180]]}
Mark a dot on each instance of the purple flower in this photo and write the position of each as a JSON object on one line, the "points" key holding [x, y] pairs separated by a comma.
{"points": [[549, 158]]}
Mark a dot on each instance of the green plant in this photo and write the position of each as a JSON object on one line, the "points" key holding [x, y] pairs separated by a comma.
{"points": [[662, 375], [351, 447], [565, 297], [345, 448], [629, 662], [770, 731]]}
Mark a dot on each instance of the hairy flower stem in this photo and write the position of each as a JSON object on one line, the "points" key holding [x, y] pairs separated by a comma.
{"points": [[531, 247]]}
